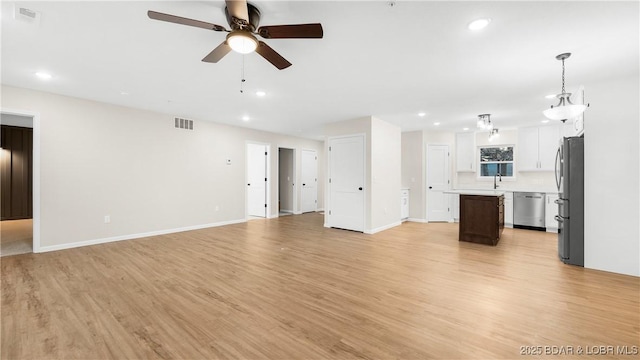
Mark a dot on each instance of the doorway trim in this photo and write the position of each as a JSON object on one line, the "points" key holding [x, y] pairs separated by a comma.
{"points": [[36, 170]]}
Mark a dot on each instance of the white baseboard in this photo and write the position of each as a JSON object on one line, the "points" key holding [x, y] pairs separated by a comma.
{"points": [[382, 228], [319, 209], [417, 220], [552, 230], [297, 213], [134, 236], [286, 211]]}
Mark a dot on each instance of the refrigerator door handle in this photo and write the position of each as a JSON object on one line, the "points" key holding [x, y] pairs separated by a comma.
{"points": [[556, 169]]}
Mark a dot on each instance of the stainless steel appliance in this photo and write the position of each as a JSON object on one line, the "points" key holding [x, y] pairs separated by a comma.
{"points": [[570, 181], [528, 210]]}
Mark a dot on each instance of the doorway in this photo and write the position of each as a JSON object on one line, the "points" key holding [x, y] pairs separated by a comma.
{"points": [[16, 190], [438, 209], [257, 180], [286, 181], [309, 180], [346, 183]]}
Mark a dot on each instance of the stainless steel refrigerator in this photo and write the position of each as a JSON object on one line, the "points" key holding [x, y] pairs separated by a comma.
{"points": [[570, 181]]}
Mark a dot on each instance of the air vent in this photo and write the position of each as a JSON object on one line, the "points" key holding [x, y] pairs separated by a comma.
{"points": [[181, 123], [24, 14]]}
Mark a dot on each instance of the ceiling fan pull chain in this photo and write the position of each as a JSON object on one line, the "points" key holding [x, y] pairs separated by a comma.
{"points": [[242, 79]]}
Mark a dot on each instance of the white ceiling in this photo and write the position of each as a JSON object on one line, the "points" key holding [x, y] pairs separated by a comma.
{"points": [[374, 59]]}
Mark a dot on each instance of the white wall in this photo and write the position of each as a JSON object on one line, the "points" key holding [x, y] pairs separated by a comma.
{"points": [[99, 159], [385, 174], [412, 173], [612, 234]]}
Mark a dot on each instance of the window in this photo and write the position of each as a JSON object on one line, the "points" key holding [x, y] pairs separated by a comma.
{"points": [[496, 160]]}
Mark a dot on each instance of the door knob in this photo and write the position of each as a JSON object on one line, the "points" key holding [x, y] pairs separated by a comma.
{"points": [[248, 184], [430, 187], [360, 188], [304, 184]]}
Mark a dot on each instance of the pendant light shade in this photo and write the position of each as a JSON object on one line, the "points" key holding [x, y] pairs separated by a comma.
{"points": [[565, 108]]}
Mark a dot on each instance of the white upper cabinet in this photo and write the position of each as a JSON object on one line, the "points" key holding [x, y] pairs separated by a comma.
{"points": [[537, 148], [465, 152]]}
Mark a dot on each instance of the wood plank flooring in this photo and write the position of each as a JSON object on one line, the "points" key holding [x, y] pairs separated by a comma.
{"points": [[288, 288]]}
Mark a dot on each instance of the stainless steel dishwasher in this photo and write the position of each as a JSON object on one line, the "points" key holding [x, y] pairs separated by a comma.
{"points": [[528, 210]]}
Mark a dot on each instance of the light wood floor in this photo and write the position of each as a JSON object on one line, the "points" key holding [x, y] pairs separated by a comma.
{"points": [[288, 288]]}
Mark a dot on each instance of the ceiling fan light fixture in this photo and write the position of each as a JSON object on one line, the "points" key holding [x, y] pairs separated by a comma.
{"points": [[242, 42]]}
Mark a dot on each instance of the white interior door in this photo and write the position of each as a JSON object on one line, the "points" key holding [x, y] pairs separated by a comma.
{"points": [[346, 183], [437, 182], [309, 177], [257, 180]]}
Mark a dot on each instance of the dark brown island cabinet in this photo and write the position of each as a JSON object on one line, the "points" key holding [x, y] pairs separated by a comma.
{"points": [[481, 218]]}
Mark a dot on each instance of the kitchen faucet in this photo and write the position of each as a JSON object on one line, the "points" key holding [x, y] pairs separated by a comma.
{"points": [[495, 186]]}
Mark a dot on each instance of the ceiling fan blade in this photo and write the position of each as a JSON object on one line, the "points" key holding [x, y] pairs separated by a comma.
{"points": [[184, 21], [300, 31], [272, 56], [238, 9], [218, 53]]}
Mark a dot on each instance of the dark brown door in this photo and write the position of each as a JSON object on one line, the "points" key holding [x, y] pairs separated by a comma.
{"points": [[16, 173]]}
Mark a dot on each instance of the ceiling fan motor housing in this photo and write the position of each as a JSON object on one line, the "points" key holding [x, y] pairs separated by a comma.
{"points": [[239, 24]]}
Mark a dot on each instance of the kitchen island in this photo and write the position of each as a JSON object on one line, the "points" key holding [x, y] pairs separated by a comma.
{"points": [[481, 216]]}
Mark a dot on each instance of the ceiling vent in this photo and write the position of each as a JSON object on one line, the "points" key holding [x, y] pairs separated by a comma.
{"points": [[181, 123], [26, 15]]}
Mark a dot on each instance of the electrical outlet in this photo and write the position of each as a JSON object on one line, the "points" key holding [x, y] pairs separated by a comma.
{"points": [[107, 219]]}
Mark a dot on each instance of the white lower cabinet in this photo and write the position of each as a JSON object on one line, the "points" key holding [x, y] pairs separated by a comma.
{"points": [[550, 212], [404, 204], [455, 207], [508, 209]]}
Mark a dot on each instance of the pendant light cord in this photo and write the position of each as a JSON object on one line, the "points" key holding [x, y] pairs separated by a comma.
{"points": [[563, 76]]}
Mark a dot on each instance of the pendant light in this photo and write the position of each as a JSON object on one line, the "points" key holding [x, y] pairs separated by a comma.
{"points": [[493, 134], [484, 122], [565, 108]]}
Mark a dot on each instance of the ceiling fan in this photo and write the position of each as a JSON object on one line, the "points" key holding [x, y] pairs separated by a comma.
{"points": [[243, 18]]}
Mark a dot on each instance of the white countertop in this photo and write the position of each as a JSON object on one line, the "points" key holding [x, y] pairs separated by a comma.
{"points": [[476, 192], [498, 191]]}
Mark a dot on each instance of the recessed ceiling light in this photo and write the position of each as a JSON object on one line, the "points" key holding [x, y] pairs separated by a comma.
{"points": [[550, 96], [479, 24], [43, 75], [246, 118], [465, 129], [436, 123], [422, 114], [544, 121], [260, 93]]}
